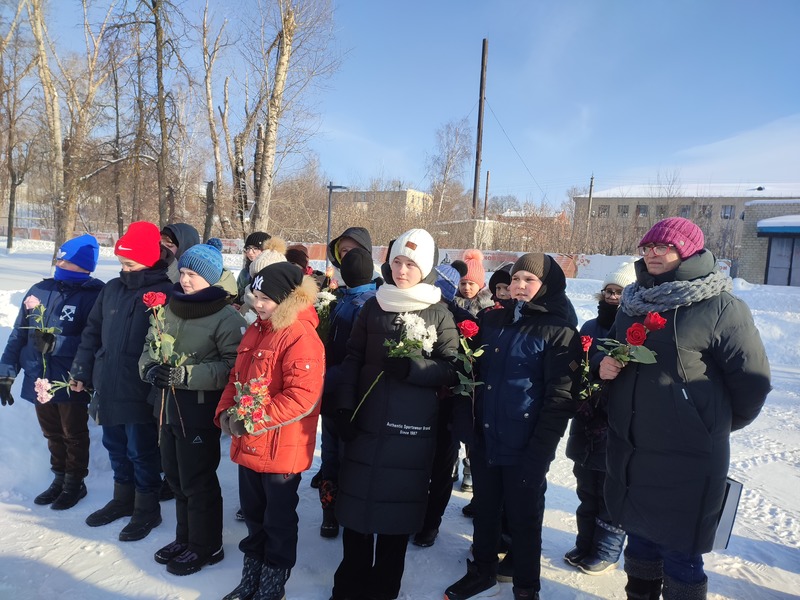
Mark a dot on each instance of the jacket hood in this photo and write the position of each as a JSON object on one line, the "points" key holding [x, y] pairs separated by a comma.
{"points": [[552, 296], [185, 234], [359, 234], [296, 305]]}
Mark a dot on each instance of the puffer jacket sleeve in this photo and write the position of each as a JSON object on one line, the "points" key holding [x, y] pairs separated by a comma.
{"points": [[91, 339], [214, 375], [347, 396], [440, 368], [739, 352], [562, 359]]}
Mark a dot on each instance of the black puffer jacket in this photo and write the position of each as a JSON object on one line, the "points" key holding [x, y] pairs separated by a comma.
{"points": [[383, 481], [111, 344], [670, 422]]}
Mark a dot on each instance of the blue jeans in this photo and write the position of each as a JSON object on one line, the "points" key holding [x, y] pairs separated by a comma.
{"points": [[681, 567], [134, 455]]}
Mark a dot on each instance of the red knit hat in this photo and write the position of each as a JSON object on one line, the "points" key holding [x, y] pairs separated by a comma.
{"points": [[142, 243], [475, 271], [682, 233]]}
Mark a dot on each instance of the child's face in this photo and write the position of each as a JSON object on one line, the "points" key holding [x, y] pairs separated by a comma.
{"points": [[69, 266], [405, 272], [166, 241], [524, 285], [345, 245], [468, 289], [130, 265], [263, 305], [502, 292], [191, 282]]}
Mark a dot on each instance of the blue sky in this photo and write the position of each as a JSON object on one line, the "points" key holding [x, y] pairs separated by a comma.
{"points": [[628, 90]]}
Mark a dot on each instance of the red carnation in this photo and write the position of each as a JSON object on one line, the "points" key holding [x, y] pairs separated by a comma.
{"points": [[586, 342], [654, 321], [636, 334], [154, 299], [468, 329]]}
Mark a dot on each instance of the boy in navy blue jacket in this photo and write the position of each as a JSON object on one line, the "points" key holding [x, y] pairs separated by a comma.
{"points": [[43, 344], [356, 269]]}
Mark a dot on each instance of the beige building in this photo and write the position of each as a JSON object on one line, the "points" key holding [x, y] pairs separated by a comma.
{"points": [[411, 202], [771, 242], [613, 221]]}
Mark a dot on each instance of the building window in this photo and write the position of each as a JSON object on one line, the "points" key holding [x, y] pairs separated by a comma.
{"points": [[705, 211], [727, 211], [622, 210], [661, 211], [685, 211], [642, 210], [603, 211]]}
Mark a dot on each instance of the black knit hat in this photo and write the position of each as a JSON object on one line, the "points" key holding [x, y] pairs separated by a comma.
{"points": [[502, 275], [257, 239], [533, 262], [357, 268], [277, 281]]}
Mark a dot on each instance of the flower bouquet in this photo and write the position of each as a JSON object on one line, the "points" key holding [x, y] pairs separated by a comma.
{"points": [[33, 304], [251, 399], [634, 350], [466, 381], [416, 338], [588, 387], [324, 306]]}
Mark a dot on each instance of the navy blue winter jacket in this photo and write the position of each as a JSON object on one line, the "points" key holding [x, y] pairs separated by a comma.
{"points": [[67, 307]]}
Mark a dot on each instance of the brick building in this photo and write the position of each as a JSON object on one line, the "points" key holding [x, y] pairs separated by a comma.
{"points": [[771, 242]]}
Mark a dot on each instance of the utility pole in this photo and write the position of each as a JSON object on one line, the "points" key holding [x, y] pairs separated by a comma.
{"points": [[589, 210], [486, 196], [479, 143]]}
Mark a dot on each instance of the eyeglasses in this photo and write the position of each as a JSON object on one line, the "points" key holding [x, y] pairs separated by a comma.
{"points": [[249, 248], [658, 249], [612, 293]]}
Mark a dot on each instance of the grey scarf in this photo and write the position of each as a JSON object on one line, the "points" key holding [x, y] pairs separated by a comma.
{"points": [[637, 300]]}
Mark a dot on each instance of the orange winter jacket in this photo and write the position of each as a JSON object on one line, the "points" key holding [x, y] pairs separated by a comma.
{"points": [[286, 351]]}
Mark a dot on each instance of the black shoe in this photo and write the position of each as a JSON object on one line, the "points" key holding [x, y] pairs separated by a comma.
{"points": [[525, 594], [425, 538], [146, 516], [74, 490], [191, 562], [165, 492], [170, 551], [575, 556], [330, 526], [473, 585], [505, 570], [251, 572], [592, 565], [315, 480], [239, 515], [121, 505], [468, 510], [50, 494]]}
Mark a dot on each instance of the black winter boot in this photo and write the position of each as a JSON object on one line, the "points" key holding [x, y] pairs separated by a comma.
{"points": [[146, 515], [50, 494], [121, 505], [271, 583], [477, 583], [525, 594], [642, 589], [327, 497], [74, 490], [251, 573], [678, 590], [466, 480], [330, 526]]}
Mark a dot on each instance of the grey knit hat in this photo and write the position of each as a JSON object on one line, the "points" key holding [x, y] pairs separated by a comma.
{"points": [[533, 262]]}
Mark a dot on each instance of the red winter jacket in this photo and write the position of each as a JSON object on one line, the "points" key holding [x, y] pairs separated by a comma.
{"points": [[286, 351]]}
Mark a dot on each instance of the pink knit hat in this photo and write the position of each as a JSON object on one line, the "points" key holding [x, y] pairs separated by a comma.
{"points": [[475, 271], [682, 233]]}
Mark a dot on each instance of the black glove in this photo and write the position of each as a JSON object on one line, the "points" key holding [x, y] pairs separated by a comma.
{"points": [[165, 376], [5, 390], [43, 342], [344, 425], [397, 366]]}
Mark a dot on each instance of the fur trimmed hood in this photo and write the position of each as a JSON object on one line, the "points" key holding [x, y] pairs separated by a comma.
{"points": [[300, 299]]}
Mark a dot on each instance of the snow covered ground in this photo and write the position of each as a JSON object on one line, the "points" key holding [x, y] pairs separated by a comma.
{"points": [[47, 554]]}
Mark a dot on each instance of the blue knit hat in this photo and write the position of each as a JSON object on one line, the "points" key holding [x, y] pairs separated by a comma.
{"points": [[447, 280], [204, 260], [82, 251], [215, 242]]}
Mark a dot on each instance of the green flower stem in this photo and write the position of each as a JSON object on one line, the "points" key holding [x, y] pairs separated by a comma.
{"points": [[364, 397]]}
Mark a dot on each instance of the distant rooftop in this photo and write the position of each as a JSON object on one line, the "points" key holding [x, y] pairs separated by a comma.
{"points": [[702, 190]]}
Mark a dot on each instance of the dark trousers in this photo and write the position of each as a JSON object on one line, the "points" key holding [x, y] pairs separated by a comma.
{"points": [[134, 455], [330, 449], [65, 426], [190, 463], [589, 487], [269, 505], [686, 568], [441, 484], [372, 565], [497, 489]]}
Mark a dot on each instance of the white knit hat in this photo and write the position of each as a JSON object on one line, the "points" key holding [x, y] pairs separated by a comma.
{"points": [[625, 274], [417, 245]]}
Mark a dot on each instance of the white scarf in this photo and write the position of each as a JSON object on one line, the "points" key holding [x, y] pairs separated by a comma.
{"points": [[421, 296]]}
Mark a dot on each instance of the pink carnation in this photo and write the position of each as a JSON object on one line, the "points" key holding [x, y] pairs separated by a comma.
{"points": [[31, 302], [42, 387]]}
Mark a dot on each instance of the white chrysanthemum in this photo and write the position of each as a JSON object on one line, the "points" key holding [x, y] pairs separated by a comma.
{"points": [[324, 298]]}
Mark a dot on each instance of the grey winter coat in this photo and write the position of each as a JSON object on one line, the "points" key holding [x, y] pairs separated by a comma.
{"points": [[670, 422]]}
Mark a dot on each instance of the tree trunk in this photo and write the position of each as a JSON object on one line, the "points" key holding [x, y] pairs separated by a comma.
{"points": [[164, 205]]}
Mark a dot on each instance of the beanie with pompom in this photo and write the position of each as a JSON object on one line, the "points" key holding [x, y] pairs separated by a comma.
{"points": [[475, 271]]}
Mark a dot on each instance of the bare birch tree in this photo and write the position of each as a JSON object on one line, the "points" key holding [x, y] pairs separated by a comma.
{"points": [[447, 164]]}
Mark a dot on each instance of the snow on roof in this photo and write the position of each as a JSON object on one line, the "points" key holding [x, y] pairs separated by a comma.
{"points": [[784, 224], [771, 201], [702, 190]]}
